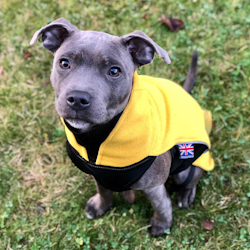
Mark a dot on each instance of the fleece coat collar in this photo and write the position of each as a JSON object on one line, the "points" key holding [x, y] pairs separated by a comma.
{"points": [[159, 115]]}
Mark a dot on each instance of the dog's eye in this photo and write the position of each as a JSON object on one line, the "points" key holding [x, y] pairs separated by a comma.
{"points": [[64, 64], [114, 72]]}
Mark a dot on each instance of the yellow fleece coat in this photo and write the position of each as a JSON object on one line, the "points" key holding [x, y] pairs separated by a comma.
{"points": [[159, 115]]}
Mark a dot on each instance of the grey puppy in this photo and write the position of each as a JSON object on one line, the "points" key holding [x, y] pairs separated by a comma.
{"points": [[85, 70]]}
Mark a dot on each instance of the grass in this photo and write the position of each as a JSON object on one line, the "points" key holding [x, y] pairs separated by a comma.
{"points": [[43, 195]]}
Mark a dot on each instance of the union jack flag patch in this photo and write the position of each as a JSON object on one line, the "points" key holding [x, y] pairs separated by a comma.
{"points": [[186, 150]]}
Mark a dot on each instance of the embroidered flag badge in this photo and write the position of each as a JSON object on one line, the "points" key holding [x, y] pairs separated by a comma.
{"points": [[186, 150]]}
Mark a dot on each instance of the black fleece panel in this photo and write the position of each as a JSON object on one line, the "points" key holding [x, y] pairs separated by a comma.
{"points": [[178, 164], [113, 178]]}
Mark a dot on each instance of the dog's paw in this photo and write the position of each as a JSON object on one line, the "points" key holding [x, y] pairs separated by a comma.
{"points": [[185, 197], [96, 207], [157, 226]]}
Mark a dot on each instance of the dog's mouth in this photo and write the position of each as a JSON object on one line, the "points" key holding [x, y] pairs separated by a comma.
{"points": [[78, 124]]}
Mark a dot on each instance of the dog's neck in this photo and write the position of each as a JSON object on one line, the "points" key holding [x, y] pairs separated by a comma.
{"points": [[94, 138]]}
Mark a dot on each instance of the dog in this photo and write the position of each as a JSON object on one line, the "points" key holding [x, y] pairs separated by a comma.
{"points": [[129, 131]]}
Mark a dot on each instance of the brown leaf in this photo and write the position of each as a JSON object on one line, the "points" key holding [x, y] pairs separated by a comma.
{"points": [[45, 83], [146, 16], [208, 224], [1, 69], [40, 208], [172, 23], [26, 55]]}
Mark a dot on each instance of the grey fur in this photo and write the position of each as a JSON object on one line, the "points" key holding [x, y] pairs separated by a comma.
{"points": [[91, 54], [185, 196], [162, 218], [98, 204], [191, 76]]}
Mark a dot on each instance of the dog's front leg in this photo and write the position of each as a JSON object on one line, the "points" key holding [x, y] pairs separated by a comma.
{"points": [[98, 204], [162, 218]]}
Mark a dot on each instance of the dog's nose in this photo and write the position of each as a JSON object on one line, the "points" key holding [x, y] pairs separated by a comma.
{"points": [[78, 100]]}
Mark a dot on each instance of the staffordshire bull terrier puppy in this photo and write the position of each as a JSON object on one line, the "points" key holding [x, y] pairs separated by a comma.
{"points": [[129, 131]]}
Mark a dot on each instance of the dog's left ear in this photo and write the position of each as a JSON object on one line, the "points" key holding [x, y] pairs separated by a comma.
{"points": [[142, 48]]}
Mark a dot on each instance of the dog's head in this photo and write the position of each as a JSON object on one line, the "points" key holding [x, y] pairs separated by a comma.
{"points": [[92, 73]]}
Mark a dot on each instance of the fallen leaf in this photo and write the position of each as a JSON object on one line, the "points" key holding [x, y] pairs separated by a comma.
{"points": [[45, 83], [172, 23], [1, 69], [208, 224], [26, 55], [40, 208], [146, 16]]}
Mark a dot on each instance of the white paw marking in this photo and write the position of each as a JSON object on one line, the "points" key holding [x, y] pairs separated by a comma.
{"points": [[89, 216], [180, 204]]}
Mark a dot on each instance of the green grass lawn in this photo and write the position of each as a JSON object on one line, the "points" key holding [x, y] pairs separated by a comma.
{"points": [[43, 195]]}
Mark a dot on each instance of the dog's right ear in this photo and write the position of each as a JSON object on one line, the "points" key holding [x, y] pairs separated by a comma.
{"points": [[54, 34]]}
